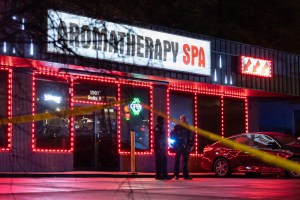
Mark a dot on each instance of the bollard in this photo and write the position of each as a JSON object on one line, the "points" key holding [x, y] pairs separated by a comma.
{"points": [[132, 157]]}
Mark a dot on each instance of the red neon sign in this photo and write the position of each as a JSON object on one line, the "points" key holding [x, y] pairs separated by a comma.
{"points": [[255, 67]]}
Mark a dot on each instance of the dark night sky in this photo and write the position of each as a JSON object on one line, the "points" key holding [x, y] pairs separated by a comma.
{"points": [[271, 24], [268, 23]]}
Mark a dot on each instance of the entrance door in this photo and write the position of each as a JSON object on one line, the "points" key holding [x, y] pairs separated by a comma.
{"points": [[95, 145], [85, 142]]}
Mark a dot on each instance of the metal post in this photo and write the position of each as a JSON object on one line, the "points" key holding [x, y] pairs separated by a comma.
{"points": [[132, 157], [96, 141]]}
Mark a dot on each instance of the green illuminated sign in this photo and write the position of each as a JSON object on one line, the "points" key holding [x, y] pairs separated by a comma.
{"points": [[135, 106]]}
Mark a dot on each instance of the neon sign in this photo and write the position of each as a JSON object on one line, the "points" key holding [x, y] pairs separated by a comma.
{"points": [[135, 106], [50, 97], [256, 67]]}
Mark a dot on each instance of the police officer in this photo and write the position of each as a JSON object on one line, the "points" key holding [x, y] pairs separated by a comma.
{"points": [[160, 150], [184, 144]]}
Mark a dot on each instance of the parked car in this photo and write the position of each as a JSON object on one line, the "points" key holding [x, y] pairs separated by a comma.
{"points": [[224, 160]]}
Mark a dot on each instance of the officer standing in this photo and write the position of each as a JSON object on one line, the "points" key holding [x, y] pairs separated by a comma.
{"points": [[160, 150], [184, 144]]}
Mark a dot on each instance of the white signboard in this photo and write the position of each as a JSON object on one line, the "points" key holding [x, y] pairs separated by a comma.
{"points": [[78, 35]]}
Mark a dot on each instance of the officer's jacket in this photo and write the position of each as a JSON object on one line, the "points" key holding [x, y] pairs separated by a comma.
{"points": [[183, 137], [159, 137]]}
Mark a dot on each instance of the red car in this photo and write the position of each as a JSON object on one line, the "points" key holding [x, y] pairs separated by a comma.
{"points": [[224, 160]]}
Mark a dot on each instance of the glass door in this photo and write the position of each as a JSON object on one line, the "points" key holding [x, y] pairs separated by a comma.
{"points": [[107, 156], [95, 145], [84, 142]]}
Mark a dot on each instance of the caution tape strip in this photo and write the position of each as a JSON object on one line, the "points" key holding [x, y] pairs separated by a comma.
{"points": [[59, 114], [261, 155]]}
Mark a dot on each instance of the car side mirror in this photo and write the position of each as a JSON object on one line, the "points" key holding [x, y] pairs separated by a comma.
{"points": [[273, 145]]}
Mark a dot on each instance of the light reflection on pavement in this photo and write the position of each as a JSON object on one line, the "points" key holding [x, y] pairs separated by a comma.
{"points": [[148, 188]]}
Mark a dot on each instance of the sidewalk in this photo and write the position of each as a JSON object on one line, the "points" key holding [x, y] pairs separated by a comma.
{"points": [[83, 174]]}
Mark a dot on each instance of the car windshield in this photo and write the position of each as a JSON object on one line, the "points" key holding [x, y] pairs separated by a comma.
{"points": [[286, 139]]}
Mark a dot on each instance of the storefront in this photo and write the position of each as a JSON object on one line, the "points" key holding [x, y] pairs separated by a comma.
{"points": [[104, 72]]}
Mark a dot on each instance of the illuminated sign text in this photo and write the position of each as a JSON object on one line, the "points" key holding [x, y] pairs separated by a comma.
{"points": [[136, 106], [78, 35]]}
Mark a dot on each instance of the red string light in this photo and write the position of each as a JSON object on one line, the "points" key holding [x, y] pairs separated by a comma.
{"points": [[207, 90], [65, 78], [44, 69], [9, 108], [146, 85]]}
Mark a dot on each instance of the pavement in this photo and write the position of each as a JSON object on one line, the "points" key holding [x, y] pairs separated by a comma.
{"points": [[87, 174], [95, 188]]}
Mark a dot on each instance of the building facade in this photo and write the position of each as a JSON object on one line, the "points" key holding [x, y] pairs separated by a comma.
{"points": [[73, 95]]}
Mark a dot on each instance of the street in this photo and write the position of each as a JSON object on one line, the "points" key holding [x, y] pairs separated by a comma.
{"points": [[149, 188]]}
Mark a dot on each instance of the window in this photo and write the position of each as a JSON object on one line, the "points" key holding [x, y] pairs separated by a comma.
{"points": [[181, 103], [209, 118], [242, 139], [262, 141], [135, 121], [234, 116], [52, 95], [86, 91]]}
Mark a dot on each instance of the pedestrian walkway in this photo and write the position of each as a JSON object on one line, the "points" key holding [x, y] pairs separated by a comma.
{"points": [[92, 174]]}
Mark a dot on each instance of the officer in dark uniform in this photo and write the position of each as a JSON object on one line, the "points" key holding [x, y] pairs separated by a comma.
{"points": [[184, 144], [160, 150]]}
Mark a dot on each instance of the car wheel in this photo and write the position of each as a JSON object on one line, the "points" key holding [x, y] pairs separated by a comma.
{"points": [[222, 167], [292, 173]]}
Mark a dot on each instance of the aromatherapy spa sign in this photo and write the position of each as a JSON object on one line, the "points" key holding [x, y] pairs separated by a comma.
{"points": [[94, 38]]}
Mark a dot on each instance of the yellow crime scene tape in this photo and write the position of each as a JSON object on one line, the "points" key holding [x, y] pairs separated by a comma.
{"points": [[261, 155], [80, 110]]}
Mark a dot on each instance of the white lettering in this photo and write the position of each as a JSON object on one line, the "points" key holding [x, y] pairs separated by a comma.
{"points": [[126, 44], [93, 98], [94, 92], [50, 97]]}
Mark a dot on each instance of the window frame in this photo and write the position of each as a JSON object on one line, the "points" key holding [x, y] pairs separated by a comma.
{"points": [[69, 82], [8, 130]]}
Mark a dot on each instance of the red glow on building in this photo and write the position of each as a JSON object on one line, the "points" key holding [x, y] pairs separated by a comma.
{"points": [[138, 84], [222, 116], [9, 108], [65, 78], [207, 90], [196, 123], [43, 68]]}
